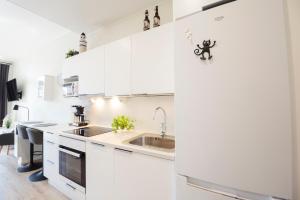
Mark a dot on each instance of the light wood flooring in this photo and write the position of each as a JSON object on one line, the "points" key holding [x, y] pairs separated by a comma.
{"points": [[16, 186]]}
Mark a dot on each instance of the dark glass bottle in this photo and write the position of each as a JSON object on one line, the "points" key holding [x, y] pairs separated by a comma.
{"points": [[146, 21], [156, 18]]}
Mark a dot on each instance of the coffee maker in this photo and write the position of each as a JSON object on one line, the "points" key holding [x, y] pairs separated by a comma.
{"points": [[79, 116]]}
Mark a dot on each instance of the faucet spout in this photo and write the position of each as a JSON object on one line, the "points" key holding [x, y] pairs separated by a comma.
{"points": [[164, 123]]}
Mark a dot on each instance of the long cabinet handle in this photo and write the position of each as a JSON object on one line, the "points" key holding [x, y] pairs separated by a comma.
{"points": [[97, 144], [70, 186], [220, 190], [77, 155], [49, 161], [123, 150], [49, 142]]}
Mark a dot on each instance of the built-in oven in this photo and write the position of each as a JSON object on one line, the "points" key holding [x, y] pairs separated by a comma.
{"points": [[72, 165]]}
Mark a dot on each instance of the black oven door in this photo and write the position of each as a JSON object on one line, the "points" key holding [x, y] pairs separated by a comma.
{"points": [[72, 165]]}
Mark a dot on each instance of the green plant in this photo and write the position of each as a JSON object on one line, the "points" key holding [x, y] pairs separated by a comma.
{"points": [[122, 123], [7, 123], [71, 53]]}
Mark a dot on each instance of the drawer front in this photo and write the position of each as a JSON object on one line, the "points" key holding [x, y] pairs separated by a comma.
{"points": [[51, 137], [50, 150], [50, 170], [72, 143], [70, 190]]}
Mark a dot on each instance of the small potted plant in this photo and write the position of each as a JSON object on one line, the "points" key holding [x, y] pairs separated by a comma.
{"points": [[71, 53], [122, 123], [7, 122]]}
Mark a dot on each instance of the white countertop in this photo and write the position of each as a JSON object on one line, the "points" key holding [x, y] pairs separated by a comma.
{"points": [[116, 140]]}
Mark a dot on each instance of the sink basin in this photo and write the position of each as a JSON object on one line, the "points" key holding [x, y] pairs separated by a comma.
{"points": [[152, 141]]}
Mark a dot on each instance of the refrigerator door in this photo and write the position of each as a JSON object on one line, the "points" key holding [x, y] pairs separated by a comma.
{"points": [[233, 119]]}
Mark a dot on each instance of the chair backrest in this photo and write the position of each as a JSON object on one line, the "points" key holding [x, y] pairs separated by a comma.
{"points": [[22, 132], [35, 136]]}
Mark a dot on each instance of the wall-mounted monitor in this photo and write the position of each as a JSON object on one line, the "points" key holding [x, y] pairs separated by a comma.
{"points": [[12, 90]]}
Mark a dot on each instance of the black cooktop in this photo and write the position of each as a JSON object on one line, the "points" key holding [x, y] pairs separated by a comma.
{"points": [[89, 131]]}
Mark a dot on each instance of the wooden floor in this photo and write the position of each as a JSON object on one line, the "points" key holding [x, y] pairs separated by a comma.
{"points": [[15, 186]]}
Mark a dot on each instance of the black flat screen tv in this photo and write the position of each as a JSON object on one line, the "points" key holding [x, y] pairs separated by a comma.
{"points": [[12, 90]]}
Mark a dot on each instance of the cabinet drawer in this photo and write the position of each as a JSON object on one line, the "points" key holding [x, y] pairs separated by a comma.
{"points": [[50, 137], [72, 143], [50, 151], [71, 191], [50, 169]]}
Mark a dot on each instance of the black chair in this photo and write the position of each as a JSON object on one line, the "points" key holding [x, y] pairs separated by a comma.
{"points": [[36, 138], [22, 133]]}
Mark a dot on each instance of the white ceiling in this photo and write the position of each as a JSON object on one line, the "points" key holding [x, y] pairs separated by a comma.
{"points": [[83, 15], [21, 31]]}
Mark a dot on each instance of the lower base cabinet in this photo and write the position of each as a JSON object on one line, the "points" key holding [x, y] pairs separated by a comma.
{"points": [[70, 190], [50, 157], [117, 174], [99, 172], [139, 176]]}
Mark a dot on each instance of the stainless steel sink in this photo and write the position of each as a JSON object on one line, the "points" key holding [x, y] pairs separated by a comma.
{"points": [[152, 141]]}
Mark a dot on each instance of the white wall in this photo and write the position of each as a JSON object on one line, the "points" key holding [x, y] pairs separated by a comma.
{"points": [[48, 60], [130, 25], [294, 29]]}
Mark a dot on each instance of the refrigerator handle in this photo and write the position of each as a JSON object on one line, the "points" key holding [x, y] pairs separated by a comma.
{"points": [[228, 192], [216, 4], [195, 185]]}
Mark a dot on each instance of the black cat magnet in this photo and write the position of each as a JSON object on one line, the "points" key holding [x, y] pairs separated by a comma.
{"points": [[201, 51]]}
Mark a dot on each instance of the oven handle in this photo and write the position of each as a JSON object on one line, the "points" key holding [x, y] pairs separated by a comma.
{"points": [[77, 155]]}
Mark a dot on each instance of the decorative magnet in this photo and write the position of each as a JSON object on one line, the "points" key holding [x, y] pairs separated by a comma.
{"points": [[200, 51]]}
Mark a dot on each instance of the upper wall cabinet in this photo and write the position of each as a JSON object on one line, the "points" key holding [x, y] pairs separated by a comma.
{"points": [[152, 69], [117, 67], [71, 67], [187, 7], [91, 76], [89, 67]]}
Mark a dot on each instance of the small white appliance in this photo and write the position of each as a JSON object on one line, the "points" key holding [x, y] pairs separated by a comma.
{"points": [[70, 87], [233, 116]]}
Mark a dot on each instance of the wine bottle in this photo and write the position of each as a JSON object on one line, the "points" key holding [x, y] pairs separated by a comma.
{"points": [[156, 18], [146, 21]]}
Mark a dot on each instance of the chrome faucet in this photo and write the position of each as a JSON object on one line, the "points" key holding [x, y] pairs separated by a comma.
{"points": [[164, 123]]}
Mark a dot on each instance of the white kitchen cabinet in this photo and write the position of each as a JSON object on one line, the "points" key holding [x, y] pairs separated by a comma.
{"points": [[50, 154], [117, 68], [71, 66], [187, 7], [70, 190], [139, 176], [89, 67], [99, 172], [91, 74], [152, 69]]}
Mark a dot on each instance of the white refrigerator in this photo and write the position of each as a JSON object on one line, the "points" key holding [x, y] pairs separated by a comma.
{"points": [[233, 115]]}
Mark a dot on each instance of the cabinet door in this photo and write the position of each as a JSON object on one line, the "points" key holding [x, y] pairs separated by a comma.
{"points": [[152, 69], [71, 66], [117, 67], [91, 71], [138, 176], [99, 172]]}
